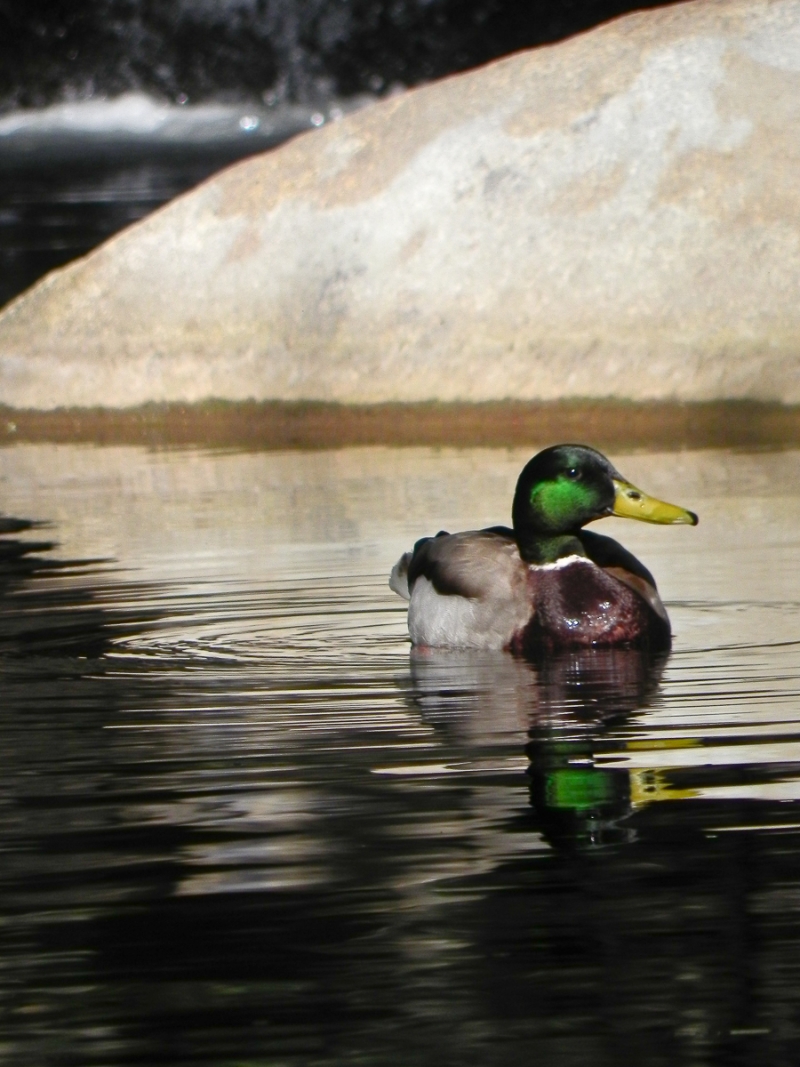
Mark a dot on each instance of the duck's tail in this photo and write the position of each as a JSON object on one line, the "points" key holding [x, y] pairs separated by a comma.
{"points": [[398, 579]]}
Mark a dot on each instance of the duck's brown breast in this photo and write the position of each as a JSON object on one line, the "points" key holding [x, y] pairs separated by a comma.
{"points": [[577, 603]]}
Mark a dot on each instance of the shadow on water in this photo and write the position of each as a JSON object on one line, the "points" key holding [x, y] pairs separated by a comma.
{"points": [[62, 855], [35, 619], [110, 955]]}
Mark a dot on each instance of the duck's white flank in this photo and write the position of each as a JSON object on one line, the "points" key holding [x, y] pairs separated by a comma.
{"points": [[452, 621]]}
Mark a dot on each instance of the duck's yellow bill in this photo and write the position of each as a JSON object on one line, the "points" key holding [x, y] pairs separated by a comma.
{"points": [[632, 503]]}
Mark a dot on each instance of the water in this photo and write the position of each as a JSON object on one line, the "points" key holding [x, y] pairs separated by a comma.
{"points": [[242, 824]]}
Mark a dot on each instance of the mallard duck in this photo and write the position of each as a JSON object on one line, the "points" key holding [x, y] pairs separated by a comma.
{"points": [[546, 584]]}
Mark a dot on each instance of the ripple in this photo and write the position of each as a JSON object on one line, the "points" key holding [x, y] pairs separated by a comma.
{"points": [[241, 822]]}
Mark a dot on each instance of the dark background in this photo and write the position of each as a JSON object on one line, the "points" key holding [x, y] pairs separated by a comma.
{"points": [[242, 48]]}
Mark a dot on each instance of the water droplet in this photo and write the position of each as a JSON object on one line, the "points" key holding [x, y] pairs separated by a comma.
{"points": [[249, 122], [317, 119], [182, 99]]}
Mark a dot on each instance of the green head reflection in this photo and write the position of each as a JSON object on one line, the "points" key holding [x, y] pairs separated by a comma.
{"points": [[583, 695]]}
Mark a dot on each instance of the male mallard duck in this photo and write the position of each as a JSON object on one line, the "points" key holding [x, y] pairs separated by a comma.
{"points": [[548, 583]]}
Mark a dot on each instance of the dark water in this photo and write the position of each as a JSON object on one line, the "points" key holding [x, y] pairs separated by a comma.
{"points": [[240, 823]]}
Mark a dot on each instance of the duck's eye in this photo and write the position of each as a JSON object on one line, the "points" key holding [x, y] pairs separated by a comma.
{"points": [[573, 474]]}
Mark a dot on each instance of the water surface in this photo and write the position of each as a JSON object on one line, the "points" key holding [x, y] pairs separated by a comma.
{"points": [[241, 823]]}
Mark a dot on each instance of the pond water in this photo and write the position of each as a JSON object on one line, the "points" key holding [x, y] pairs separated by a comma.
{"points": [[242, 824]]}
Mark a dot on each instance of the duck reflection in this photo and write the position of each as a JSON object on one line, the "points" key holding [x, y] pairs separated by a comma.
{"points": [[570, 707], [583, 697]]}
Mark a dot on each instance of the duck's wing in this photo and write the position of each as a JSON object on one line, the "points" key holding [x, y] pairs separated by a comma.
{"points": [[465, 564], [398, 579], [623, 565], [468, 590]]}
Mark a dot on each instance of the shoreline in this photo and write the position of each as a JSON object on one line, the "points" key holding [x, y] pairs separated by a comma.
{"points": [[279, 425]]}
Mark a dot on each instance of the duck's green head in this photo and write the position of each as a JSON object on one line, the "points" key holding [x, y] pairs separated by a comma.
{"points": [[564, 487]]}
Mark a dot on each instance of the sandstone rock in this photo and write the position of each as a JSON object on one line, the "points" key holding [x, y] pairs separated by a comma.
{"points": [[616, 215]]}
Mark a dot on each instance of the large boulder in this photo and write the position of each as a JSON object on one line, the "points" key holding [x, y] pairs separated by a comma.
{"points": [[616, 215]]}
